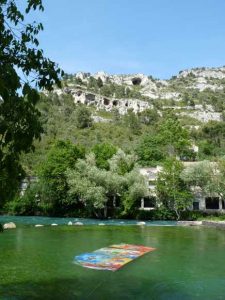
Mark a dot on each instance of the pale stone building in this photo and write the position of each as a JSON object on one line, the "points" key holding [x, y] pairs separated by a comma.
{"points": [[201, 202]]}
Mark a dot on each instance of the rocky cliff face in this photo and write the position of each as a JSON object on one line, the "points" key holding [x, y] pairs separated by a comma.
{"points": [[106, 103], [218, 73], [150, 91], [205, 78]]}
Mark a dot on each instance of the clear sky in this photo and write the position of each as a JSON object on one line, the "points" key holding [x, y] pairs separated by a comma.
{"points": [[155, 37]]}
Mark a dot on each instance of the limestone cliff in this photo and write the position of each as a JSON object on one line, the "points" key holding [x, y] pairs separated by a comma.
{"points": [[138, 92]]}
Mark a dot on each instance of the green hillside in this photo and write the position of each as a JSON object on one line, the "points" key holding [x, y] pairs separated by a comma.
{"points": [[99, 130]]}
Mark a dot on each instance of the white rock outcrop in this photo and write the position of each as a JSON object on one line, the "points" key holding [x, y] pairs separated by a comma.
{"points": [[203, 86], [107, 103], [130, 80], [98, 119], [102, 75], [82, 75], [218, 73], [203, 116]]}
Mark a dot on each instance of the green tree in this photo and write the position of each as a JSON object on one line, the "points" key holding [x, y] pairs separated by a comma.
{"points": [[137, 189], [208, 176], [169, 138], [211, 139], [214, 132], [95, 187], [132, 121], [83, 117], [220, 175], [116, 116], [186, 98], [150, 150], [23, 68], [99, 83], [92, 83], [175, 138], [62, 155], [103, 152], [122, 163], [199, 174], [172, 192], [149, 116], [86, 191], [78, 81], [106, 91]]}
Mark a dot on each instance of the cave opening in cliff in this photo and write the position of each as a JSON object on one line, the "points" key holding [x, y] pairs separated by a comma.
{"points": [[90, 97], [136, 81], [106, 101]]}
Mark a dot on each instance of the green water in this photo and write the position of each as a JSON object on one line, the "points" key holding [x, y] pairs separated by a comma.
{"points": [[36, 263]]}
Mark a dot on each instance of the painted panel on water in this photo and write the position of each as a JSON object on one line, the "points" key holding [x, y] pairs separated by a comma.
{"points": [[111, 258]]}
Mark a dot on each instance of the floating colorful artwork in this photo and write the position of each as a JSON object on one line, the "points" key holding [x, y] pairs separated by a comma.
{"points": [[111, 258]]}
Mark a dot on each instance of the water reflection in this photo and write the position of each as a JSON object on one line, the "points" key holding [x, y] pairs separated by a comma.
{"points": [[37, 263]]}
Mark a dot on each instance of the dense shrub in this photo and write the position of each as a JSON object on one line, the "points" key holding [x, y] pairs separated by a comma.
{"points": [[156, 214], [199, 215], [24, 205], [192, 215]]}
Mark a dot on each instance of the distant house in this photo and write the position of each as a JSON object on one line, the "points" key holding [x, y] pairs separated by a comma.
{"points": [[207, 203], [149, 203]]}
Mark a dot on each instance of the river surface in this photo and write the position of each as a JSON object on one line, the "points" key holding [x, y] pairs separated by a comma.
{"points": [[37, 263]]}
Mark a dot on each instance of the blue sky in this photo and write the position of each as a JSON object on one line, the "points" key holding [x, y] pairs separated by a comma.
{"points": [[155, 37]]}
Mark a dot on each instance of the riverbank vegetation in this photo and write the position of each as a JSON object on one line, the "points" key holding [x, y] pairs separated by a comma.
{"points": [[106, 182]]}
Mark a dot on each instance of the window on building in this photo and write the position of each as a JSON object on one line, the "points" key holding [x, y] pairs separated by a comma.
{"points": [[149, 202], [117, 202], [212, 203], [195, 205]]}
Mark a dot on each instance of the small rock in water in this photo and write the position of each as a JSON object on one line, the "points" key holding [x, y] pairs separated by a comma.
{"points": [[141, 223], [70, 223], [39, 225], [78, 223], [54, 224], [9, 225], [101, 224]]}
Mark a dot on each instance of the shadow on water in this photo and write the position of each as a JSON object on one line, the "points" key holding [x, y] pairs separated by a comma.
{"points": [[92, 289]]}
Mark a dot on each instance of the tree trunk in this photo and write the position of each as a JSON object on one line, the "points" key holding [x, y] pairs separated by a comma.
{"points": [[178, 215], [114, 201], [105, 211]]}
